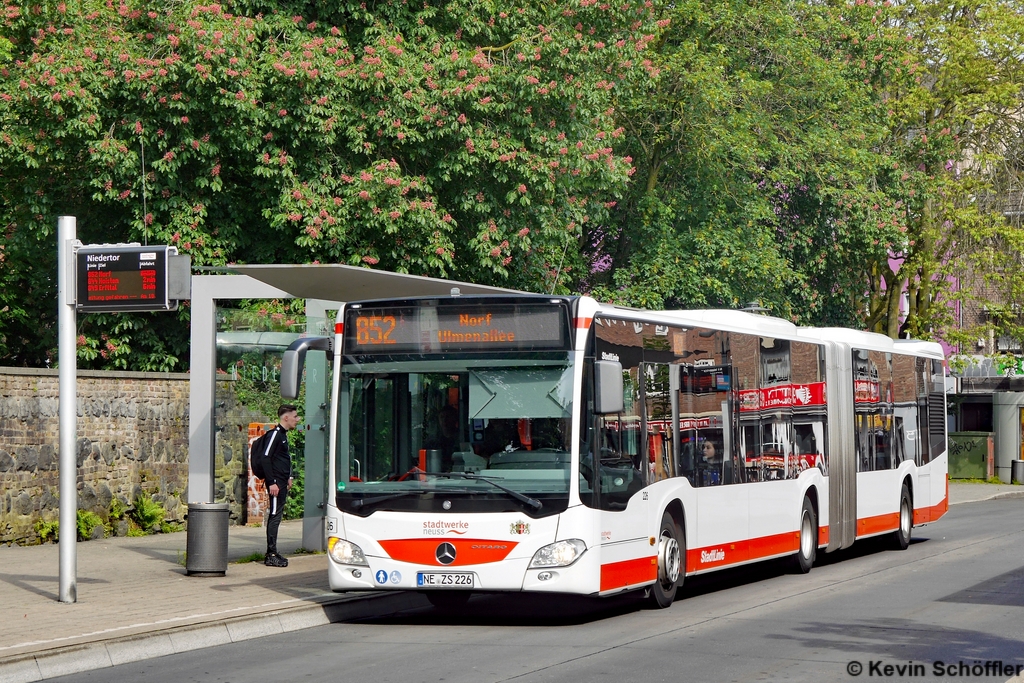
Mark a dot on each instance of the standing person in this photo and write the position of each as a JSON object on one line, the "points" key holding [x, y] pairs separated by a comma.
{"points": [[279, 480]]}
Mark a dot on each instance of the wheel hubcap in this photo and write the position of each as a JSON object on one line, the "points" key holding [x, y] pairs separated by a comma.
{"points": [[668, 561], [905, 518], [806, 536]]}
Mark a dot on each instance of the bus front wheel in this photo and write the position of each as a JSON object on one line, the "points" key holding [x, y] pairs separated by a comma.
{"points": [[671, 554]]}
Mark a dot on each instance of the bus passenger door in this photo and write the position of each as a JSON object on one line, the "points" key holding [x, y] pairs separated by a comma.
{"points": [[624, 502]]}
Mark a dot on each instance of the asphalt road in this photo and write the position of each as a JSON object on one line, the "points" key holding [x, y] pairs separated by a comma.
{"points": [[955, 596]]}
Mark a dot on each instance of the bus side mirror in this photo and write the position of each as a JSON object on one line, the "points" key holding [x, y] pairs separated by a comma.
{"points": [[293, 360], [607, 387]]}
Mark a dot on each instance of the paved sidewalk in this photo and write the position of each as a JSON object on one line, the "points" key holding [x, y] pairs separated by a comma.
{"points": [[136, 602], [970, 493], [128, 587]]}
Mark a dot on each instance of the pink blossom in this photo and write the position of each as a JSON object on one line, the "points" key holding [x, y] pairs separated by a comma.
{"points": [[364, 195], [521, 188], [371, 260]]}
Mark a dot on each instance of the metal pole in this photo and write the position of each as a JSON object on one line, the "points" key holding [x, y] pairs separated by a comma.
{"points": [[67, 233]]}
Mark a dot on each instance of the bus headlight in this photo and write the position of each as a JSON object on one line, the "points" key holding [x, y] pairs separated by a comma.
{"points": [[560, 554], [344, 552]]}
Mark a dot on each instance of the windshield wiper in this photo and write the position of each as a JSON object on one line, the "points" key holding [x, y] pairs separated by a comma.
{"points": [[360, 502], [523, 498]]}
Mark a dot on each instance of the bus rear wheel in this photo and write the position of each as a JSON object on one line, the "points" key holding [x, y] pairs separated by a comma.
{"points": [[671, 563], [901, 537], [805, 555]]}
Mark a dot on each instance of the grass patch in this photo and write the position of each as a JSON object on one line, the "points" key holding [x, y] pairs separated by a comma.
{"points": [[976, 480], [170, 527], [253, 557], [307, 551]]}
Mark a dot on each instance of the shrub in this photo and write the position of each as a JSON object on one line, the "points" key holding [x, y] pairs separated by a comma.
{"points": [[48, 531], [147, 513], [115, 514], [87, 521]]}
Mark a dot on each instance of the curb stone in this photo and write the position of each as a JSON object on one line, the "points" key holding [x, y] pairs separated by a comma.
{"points": [[73, 659]]}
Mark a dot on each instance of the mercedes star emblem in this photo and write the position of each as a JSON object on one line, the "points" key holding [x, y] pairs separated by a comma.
{"points": [[445, 553]]}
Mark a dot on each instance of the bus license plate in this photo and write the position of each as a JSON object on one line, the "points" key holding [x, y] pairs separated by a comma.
{"points": [[445, 580]]}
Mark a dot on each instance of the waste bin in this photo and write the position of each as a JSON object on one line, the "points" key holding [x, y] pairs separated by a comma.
{"points": [[207, 542], [1017, 471]]}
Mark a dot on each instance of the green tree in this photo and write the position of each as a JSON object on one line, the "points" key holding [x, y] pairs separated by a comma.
{"points": [[742, 114], [450, 140], [948, 88]]}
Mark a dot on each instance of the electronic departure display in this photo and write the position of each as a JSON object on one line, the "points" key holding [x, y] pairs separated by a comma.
{"points": [[465, 327], [122, 278]]}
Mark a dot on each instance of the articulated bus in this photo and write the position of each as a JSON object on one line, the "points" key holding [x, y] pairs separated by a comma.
{"points": [[557, 444]]}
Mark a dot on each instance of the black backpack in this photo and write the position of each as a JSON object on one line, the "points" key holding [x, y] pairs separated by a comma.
{"points": [[259, 453]]}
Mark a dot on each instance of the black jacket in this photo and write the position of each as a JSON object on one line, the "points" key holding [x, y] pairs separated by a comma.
{"points": [[279, 468]]}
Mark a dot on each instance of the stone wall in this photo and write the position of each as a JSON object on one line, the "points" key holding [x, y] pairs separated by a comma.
{"points": [[132, 439]]}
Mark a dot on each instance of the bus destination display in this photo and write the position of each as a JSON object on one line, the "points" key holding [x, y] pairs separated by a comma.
{"points": [[122, 278], [436, 329]]}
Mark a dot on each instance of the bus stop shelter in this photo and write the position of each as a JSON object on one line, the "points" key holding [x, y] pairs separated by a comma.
{"points": [[325, 288]]}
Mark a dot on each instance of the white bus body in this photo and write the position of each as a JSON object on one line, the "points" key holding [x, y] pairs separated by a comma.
{"points": [[732, 427]]}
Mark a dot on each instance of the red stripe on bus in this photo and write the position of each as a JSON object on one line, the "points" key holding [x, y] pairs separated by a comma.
{"points": [[467, 550], [339, 328], [584, 323], [869, 526], [628, 573], [699, 559], [931, 513]]}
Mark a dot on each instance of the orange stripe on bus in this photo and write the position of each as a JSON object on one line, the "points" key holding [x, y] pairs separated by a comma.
{"points": [[583, 323], [699, 559], [822, 535], [467, 550], [868, 526], [339, 328], [628, 573], [931, 513]]}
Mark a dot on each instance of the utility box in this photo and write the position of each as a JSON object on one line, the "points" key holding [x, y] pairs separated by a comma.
{"points": [[971, 455]]}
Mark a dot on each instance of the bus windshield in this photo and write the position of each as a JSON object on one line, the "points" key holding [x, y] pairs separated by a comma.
{"points": [[468, 435]]}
